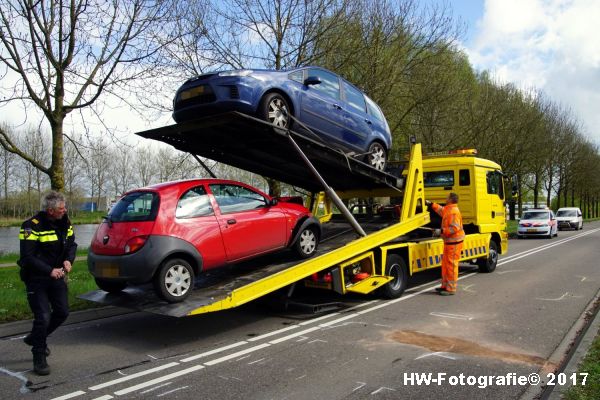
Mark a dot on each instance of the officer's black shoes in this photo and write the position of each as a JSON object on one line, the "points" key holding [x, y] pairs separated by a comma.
{"points": [[27, 340], [446, 293], [439, 289], [40, 366]]}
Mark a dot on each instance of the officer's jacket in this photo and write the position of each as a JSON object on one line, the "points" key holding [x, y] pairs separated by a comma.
{"points": [[452, 226], [45, 245]]}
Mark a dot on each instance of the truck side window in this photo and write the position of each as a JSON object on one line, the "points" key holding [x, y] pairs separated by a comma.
{"points": [[464, 179], [194, 203], [494, 183], [438, 178]]}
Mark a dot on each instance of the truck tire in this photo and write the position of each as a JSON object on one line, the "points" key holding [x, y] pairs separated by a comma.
{"points": [[110, 286], [489, 263], [307, 242], [395, 266], [174, 280]]}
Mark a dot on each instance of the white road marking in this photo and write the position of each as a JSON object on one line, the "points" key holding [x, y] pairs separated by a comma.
{"points": [[158, 380], [436, 354], [70, 395], [20, 376], [133, 376], [317, 341], [453, 316], [583, 278], [121, 373], [266, 335], [382, 389], [312, 321], [558, 298], [301, 377], [361, 385], [302, 338], [336, 321], [294, 335], [105, 397], [243, 358], [256, 362], [156, 388], [468, 288], [508, 271], [171, 391], [234, 355], [215, 351], [152, 357]]}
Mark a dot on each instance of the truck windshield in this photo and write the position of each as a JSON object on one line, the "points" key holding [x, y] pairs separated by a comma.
{"points": [[536, 215], [566, 213], [136, 206]]}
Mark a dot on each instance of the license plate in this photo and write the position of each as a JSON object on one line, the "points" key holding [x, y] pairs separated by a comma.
{"points": [[193, 92], [107, 270], [531, 230]]}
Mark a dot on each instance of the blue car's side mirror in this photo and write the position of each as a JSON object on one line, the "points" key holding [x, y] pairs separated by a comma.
{"points": [[312, 80]]}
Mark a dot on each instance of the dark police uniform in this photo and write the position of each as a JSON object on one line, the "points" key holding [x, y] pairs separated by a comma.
{"points": [[45, 244]]}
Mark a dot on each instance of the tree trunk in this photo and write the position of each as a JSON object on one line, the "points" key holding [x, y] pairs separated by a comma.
{"points": [[57, 168], [536, 189]]}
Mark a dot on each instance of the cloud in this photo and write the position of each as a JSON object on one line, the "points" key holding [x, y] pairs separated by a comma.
{"points": [[551, 45]]}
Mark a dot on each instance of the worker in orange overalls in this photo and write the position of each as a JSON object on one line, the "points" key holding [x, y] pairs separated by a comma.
{"points": [[453, 234]]}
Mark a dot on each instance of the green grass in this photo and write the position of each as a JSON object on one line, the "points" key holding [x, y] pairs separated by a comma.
{"points": [[77, 218], [590, 365], [511, 227], [11, 258], [13, 300]]}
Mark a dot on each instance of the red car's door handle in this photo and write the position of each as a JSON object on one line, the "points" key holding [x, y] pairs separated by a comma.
{"points": [[231, 221]]}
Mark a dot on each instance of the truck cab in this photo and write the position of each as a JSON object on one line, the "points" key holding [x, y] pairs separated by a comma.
{"points": [[479, 184]]}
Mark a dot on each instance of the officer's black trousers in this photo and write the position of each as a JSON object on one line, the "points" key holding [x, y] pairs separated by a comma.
{"points": [[49, 303]]}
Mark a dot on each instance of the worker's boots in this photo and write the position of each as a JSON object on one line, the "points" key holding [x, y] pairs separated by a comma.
{"points": [[40, 366], [27, 340]]}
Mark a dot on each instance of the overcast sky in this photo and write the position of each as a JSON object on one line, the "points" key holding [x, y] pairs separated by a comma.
{"points": [[552, 45]]}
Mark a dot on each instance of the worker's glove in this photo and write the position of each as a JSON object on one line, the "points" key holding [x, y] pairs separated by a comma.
{"points": [[427, 203], [437, 232]]}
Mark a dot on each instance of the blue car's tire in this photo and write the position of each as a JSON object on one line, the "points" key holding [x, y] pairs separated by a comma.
{"points": [[377, 156], [274, 108]]}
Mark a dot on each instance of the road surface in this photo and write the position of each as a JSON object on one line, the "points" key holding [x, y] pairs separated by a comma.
{"points": [[505, 325]]}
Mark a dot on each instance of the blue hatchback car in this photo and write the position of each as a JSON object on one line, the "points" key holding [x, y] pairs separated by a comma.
{"points": [[329, 105]]}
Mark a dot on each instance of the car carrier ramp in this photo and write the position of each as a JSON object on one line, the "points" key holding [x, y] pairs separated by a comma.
{"points": [[254, 145]]}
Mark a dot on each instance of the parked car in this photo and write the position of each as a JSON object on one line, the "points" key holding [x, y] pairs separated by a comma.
{"points": [[569, 218], [168, 233], [329, 105], [538, 223]]}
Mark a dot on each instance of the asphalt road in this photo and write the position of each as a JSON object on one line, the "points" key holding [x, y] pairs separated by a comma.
{"points": [[500, 324]]}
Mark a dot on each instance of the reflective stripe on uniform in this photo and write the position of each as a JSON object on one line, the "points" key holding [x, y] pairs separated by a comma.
{"points": [[43, 236], [70, 231]]}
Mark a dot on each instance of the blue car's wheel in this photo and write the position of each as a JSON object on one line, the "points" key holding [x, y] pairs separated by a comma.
{"points": [[275, 109], [377, 156]]}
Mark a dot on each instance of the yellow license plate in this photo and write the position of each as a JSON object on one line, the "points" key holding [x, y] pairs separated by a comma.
{"points": [[107, 270], [531, 230], [193, 92]]}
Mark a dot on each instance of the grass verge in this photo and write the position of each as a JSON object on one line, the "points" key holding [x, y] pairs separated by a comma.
{"points": [[13, 300], [590, 365], [9, 258], [79, 218]]}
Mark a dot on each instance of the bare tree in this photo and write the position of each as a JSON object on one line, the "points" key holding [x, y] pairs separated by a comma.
{"points": [[68, 55], [144, 165]]}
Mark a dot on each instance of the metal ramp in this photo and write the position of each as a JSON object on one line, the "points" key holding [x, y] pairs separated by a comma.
{"points": [[254, 145]]}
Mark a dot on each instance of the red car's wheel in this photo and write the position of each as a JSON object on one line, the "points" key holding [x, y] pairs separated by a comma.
{"points": [[307, 242], [175, 280]]}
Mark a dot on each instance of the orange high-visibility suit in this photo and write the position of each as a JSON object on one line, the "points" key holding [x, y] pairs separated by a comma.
{"points": [[453, 235]]}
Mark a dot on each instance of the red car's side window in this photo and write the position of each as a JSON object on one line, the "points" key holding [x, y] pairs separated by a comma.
{"points": [[233, 198], [194, 203]]}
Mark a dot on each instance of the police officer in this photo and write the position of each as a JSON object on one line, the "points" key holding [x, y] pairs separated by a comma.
{"points": [[453, 234], [47, 254]]}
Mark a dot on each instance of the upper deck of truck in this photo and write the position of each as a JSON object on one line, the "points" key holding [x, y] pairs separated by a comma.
{"points": [[467, 157]]}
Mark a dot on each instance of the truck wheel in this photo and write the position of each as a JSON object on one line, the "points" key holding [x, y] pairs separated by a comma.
{"points": [[174, 280], [377, 156], [489, 263], [274, 108], [396, 268], [110, 286], [307, 242]]}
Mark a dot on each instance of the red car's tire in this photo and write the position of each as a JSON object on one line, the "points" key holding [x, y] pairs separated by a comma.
{"points": [[307, 242]]}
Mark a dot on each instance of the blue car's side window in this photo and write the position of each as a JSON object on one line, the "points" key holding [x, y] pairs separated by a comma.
{"points": [[374, 110], [354, 97], [330, 83]]}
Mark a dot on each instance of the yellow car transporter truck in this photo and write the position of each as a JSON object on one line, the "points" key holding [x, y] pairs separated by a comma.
{"points": [[377, 250]]}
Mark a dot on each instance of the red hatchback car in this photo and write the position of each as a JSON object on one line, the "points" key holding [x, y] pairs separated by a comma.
{"points": [[168, 233]]}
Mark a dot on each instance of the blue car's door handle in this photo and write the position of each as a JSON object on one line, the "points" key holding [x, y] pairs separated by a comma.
{"points": [[368, 121], [337, 106]]}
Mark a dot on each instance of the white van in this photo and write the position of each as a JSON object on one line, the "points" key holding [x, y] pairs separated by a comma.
{"points": [[570, 218]]}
